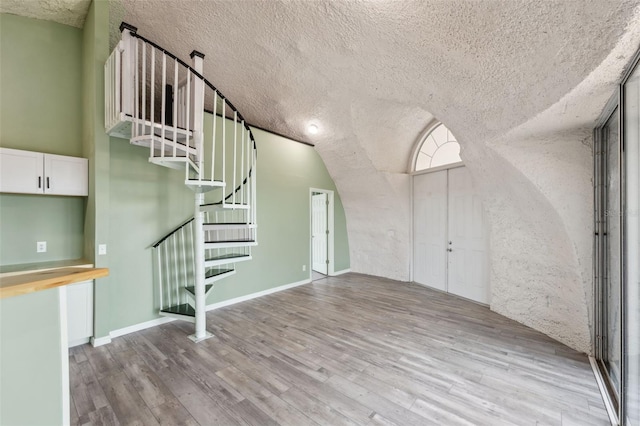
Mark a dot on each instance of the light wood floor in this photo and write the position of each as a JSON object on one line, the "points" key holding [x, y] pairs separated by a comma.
{"points": [[353, 350]]}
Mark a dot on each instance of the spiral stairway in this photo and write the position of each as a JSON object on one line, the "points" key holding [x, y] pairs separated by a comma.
{"points": [[159, 102]]}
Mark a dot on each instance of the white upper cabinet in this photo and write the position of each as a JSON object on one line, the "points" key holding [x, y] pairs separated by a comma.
{"points": [[66, 175], [29, 172]]}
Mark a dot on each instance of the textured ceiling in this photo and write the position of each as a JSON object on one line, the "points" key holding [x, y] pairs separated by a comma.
{"points": [[68, 12], [373, 72]]}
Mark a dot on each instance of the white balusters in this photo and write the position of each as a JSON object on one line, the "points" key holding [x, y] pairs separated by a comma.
{"points": [[235, 163], [224, 144], [144, 87], [242, 200], [136, 88], [163, 107], [172, 127], [213, 136], [127, 70], [152, 101], [174, 122], [187, 105]]}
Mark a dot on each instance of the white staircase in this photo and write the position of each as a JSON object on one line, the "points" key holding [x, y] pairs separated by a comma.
{"points": [[159, 102]]}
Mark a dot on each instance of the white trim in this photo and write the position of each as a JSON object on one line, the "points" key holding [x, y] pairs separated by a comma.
{"points": [[140, 326], [344, 271], [240, 299], [411, 227], [99, 341], [64, 352], [418, 143], [417, 147], [603, 391], [439, 168]]}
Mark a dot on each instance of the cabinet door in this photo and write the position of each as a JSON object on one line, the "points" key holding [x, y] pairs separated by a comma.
{"points": [[21, 171], [80, 312], [66, 175]]}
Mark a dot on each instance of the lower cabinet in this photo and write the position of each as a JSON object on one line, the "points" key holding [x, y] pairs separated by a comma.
{"points": [[80, 312]]}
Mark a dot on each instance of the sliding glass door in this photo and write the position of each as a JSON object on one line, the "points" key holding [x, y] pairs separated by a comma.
{"points": [[631, 236], [611, 307], [617, 249], [608, 249]]}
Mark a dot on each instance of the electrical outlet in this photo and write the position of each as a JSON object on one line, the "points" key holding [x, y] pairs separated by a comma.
{"points": [[102, 249], [41, 247], [304, 268]]}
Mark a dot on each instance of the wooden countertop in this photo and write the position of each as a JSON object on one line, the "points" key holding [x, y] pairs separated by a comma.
{"points": [[43, 280]]}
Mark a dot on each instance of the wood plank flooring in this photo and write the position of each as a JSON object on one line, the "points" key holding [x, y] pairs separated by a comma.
{"points": [[351, 350]]}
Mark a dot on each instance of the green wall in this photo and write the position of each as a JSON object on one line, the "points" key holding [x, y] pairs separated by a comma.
{"points": [[132, 203], [95, 147], [30, 371], [286, 172], [147, 201], [40, 110], [40, 74], [26, 219]]}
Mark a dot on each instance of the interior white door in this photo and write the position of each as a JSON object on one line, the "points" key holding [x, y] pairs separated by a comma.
{"points": [[467, 242], [319, 232], [430, 229]]}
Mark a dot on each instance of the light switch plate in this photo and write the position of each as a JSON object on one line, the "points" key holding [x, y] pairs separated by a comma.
{"points": [[102, 249], [41, 247]]}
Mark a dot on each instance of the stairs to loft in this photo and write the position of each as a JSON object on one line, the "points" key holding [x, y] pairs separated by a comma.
{"points": [[159, 103]]}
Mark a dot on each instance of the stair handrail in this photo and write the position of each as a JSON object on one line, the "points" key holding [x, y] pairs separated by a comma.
{"points": [[168, 235], [207, 82], [223, 98]]}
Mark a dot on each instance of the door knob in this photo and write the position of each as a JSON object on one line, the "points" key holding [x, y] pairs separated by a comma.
{"points": [[450, 242], [449, 249]]}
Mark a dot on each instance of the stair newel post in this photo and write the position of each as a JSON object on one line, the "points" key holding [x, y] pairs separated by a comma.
{"points": [[128, 71], [197, 63], [199, 287]]}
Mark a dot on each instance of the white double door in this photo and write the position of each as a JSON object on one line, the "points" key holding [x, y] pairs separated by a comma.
{"points": [[450, 250]]}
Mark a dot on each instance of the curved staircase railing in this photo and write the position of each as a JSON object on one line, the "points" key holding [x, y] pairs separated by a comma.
{"points": [[158, 101]]}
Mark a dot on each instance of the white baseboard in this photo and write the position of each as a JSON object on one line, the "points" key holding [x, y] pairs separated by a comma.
{"points": [[344, 271], [141, 326], [158, 321], [255, 295], [99, 341]]}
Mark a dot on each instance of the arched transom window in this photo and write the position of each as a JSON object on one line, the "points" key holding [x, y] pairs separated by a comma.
{"points": [[439, 148]]}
